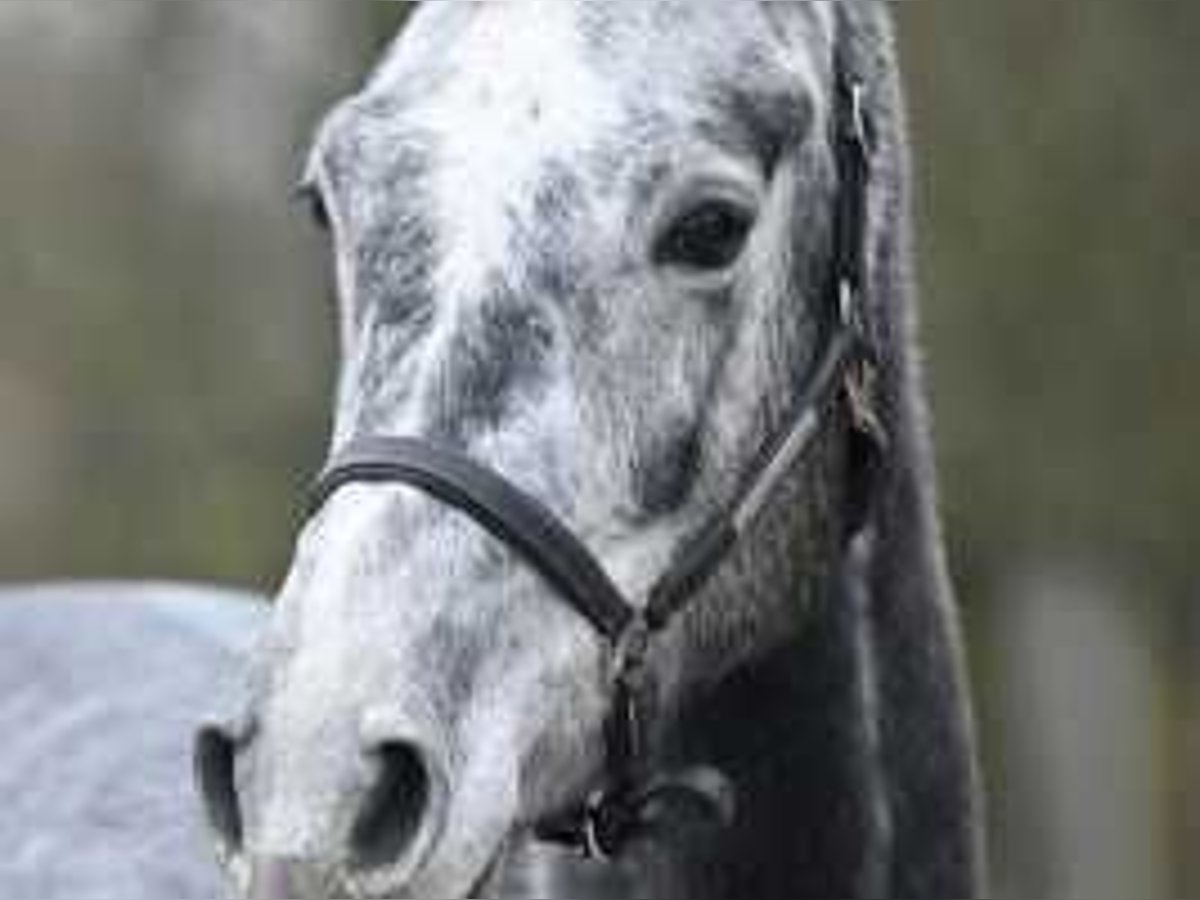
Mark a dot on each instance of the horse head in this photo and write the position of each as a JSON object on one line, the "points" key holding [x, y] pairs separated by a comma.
{"points": [[586, 247]]}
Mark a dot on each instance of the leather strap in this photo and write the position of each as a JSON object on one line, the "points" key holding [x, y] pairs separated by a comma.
{"points": [[513, 517]]}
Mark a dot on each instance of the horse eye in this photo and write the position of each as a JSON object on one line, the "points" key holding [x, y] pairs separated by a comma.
{"points": [[709, 237], [314, 202]]}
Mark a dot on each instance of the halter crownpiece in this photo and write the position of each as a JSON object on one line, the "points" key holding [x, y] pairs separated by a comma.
{"points": [[846, 368]]}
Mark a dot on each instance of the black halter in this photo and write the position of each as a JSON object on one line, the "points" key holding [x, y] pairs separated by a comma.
{"points": [[847, 363]]}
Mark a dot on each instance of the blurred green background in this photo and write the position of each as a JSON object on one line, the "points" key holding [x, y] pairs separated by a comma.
{"points": [[165, 356]]}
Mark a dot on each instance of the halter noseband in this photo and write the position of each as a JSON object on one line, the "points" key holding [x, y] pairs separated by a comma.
{"points": [[602, 825]]}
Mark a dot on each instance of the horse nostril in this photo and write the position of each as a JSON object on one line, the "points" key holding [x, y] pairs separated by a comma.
{"points": [[216, 778], [396, 807]]}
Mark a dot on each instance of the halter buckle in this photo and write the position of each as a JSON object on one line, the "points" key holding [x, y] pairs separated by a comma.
{"points": [[847, 307], [630, 652], [594, 843], [859, 120], [862, 396]]}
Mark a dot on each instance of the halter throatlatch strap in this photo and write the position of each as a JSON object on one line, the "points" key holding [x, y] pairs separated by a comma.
{"points": [[846, 369]]}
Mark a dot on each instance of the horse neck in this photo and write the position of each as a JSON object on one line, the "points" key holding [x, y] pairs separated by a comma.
{"points": [[795, 734]]}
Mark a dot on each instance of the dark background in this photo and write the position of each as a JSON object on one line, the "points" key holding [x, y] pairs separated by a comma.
{"points": [[166, 351]]}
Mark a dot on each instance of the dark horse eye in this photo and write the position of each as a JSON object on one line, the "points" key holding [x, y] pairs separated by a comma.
{"points": [[708, 237], [309, 195]]}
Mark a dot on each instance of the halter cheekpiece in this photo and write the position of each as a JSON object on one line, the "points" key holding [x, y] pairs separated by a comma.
{"points": [[846, 370]]}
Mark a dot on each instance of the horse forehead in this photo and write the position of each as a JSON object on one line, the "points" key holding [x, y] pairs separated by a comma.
{"points": [[501, 100], [567, 62], [490, 62], [521, 91], [500, 89]]}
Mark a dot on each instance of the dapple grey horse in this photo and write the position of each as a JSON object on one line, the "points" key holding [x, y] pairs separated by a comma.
{"points": [[585, 243]]}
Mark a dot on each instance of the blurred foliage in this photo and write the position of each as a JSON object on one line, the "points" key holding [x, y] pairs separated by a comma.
{"points": [[165, 362], [164, 357], [1056, 145]]}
